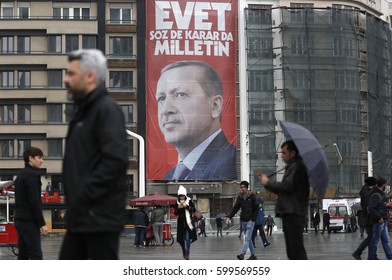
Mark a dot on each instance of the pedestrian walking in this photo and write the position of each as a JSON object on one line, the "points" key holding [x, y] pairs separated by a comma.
{"points": [[186, 230], [326, 221], [353, 222], [140, 221], [292, 202], [202, 227], [95, 162], [219, 226], [315, 220], [157, 221], [259, 225], [246, 201], [346, 223], [370, 183], [29, 219], [270, 224], [378, 221]]}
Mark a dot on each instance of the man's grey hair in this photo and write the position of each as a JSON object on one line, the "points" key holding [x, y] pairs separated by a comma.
{"points": [[92, 60], [211, 83]]}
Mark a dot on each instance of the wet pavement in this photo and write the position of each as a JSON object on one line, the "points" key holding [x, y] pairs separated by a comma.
{"points": [[334, 246]]}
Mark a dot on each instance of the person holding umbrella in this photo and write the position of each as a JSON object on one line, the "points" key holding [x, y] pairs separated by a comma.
{"points": [[292, 202]]}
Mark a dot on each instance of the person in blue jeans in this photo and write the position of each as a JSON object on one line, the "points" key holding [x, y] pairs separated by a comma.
{"points": [[246, 201], [140, 221], [378, 220]]}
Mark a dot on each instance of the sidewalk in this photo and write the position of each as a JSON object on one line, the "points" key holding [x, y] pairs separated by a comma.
{"points": [[336, 246]]}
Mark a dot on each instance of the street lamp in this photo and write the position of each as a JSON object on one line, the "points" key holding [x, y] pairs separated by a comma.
{"points": [[142, 160]]}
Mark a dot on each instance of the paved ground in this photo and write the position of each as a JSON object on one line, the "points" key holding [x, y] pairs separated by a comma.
{"points": [[336, 246]]}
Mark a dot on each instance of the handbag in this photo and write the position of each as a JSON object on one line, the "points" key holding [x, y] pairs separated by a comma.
{"points": [[196, 216]]}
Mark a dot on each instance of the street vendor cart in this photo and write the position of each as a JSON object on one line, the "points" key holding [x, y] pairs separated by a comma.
{"points": [[8, 234]]}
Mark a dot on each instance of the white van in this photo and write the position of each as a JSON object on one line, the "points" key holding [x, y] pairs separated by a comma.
{"points": [[336, 208]]}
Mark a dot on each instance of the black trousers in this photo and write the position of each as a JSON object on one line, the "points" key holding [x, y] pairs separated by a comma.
{"points": [[292, 228], [29, 240], [90, 246]]}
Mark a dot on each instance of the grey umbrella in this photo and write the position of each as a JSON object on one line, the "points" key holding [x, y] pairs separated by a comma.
{"points": [[312, 154]]}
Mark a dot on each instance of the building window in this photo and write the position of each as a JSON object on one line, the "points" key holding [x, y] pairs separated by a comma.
{"points": [[71, 43], [261, 114], [22, 146], [128, 113], [24, 12], [7, 148], [24, 113], [130, 149], [121, 79], [24, 44], [349, 146], [302, 78], [260, 47], [24, 79], [120, 15], [348, 113], [347, 79], [55, 78], [7, 78], [81, 13], [262, 148], [7, 44], [55, 113], [89, 41], [261, 80], [7, 113], [302, 45], [71, 13], [54, 44], [55, 148], [345, 47], [7, 12], [259, 16], [120, 46], [130, 184], [302, 112], [303, 13]]}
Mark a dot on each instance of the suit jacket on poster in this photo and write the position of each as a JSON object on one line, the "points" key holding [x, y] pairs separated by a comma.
{"points": [[217, 162]]}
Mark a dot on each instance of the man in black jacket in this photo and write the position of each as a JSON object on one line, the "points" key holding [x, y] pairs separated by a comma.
{"points": [[29, 220], [95, 162], [293, 199], [249, 208]]}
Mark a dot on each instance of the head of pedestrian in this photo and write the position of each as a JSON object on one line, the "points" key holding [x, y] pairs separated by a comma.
{"points": [[289, 151], [85, 72], [371, 181], [181, 193], [260, 201], [33, 156], [244, 185], [381, 183]]}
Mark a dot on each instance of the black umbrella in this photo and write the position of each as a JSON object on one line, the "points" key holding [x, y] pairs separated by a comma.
{"points": [[312, 155]]}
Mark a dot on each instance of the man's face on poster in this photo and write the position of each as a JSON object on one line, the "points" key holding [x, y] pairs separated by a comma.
{"points": [[186, 114]]}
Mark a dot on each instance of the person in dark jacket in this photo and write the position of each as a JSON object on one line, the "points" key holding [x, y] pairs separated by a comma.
{"points": [[246, 201], [29, 220], [95, 162], [293, 198], [186, 229], [326, 221], [370, 183], [259, 225], [378, 220], [140, 221], [316, 220]]}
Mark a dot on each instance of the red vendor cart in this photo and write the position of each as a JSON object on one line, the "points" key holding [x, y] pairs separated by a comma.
{"points": [[8, 234]]}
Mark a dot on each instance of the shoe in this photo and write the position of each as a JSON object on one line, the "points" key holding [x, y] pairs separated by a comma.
{"points": [[356, 256], [252, 257], [267, 244], [240, 257]]}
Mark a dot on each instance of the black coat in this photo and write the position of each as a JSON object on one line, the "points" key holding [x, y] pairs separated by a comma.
{"points": [[182, 225], [28, 203], [293, 191], [140, 219], [94, 167], [377, 208]]}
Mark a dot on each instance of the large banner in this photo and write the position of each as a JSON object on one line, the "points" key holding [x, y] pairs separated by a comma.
{"points": [[191, 90]]}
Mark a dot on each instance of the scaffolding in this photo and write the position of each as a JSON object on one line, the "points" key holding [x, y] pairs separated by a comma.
{"points": [[328, 70]]}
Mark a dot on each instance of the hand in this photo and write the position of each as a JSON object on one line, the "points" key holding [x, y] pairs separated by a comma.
{"points": [[181, 205], [263, 178], [44, 230], [381, 221], [228, 221]]}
